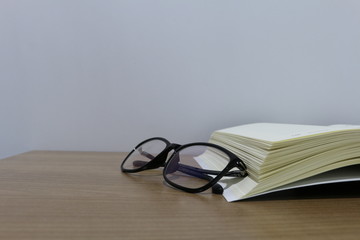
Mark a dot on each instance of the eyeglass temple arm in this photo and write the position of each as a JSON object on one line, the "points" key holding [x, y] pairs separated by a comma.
{"points": [[216, 188], [146, 154], [150, 156], [183, 168], [201, 173], [240, 173]]}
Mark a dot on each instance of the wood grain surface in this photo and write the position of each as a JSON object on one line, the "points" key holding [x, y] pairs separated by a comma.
{"points": [[83, 195]]}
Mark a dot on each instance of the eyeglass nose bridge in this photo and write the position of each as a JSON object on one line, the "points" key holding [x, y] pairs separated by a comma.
{"points": [[160, 160], [174, 146]]}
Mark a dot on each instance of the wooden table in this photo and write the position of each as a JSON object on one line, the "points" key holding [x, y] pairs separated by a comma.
{"points": [[83, 195]]}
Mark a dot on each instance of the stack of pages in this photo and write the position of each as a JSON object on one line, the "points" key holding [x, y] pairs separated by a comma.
{"points": [[283, 156]]}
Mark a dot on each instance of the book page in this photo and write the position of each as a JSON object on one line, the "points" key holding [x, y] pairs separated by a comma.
{"points": [[345, 174], [236, 191], [274, 132]]}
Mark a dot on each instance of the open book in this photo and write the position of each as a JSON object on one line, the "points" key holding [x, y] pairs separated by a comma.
{"points": [[283, 156]]}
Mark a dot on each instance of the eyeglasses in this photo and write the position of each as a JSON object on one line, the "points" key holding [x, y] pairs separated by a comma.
{"points": [[193, 167]]}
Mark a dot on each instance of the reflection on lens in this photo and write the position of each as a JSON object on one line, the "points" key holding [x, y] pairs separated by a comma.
{"points": [[143, 154], [191, 166]]}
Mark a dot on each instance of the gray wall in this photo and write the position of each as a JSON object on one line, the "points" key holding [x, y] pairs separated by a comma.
{"points": [[103, 75]]}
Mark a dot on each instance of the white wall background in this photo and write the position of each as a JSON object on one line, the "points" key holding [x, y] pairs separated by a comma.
{"points": [[103, 75]]}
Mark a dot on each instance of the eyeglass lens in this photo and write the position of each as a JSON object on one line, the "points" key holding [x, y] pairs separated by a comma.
{"points": [[191, 166], [143, 154]]}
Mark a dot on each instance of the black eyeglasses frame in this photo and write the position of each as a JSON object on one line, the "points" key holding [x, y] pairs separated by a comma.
{"points": [[162, 160]]}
